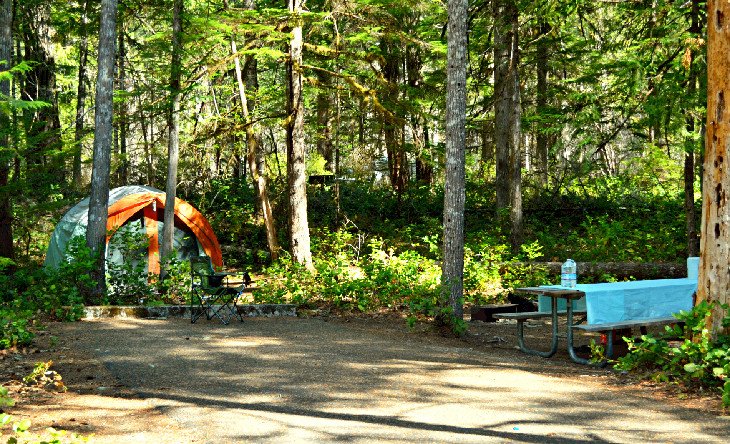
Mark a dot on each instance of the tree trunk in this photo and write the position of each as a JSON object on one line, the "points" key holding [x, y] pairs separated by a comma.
{"points": [[397, 158], [148, 163], [122, 123], [424, 168], [504, 139], [173, 147], [454, 182], [508, 116], [423, 154], [254, 151], [6, 51], [99, 198], [338, 121], [502, 104], [81, 97], [324, 132], [714, 276], [296, 150], [541, 139]]}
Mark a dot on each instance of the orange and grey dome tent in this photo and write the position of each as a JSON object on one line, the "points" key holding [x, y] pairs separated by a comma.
{"points": [[141, 209]]}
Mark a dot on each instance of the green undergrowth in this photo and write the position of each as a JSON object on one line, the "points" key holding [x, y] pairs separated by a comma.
{"points": [[357, 272], [61, 293], [688, 355]]}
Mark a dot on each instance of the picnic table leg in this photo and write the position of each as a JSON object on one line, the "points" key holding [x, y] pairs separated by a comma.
{"points": [[571, 350], [521, 335]]}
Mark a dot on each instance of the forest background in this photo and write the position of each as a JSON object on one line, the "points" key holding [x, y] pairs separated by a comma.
{"points": [[585, 125]]}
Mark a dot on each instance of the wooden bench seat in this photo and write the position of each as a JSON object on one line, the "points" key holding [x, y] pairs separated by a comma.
{"points": [[620, 325], [525, 315], [610, 327]]}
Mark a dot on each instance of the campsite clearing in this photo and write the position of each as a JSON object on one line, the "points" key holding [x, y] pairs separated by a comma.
{"points": [[328, 378]]}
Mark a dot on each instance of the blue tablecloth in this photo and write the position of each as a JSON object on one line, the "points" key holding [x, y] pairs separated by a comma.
{"points": [[619, 301]]}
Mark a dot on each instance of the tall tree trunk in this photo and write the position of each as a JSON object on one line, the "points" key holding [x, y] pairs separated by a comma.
{"points": [[424, 168], [338, 121], [324, 133], [508, 116], [148, 164], [122, 123], [81, 96], [99, 198], [454, 183], [254, 153], [502, 101], [541, 139], [173, 147], [6, 154], [393, 128], [714, 279], [296, 150]]}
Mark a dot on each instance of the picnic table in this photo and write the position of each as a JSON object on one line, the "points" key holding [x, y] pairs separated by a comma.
{"points": [[608, 307]]}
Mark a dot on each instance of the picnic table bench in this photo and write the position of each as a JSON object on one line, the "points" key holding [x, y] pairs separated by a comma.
{"points": [[521, 317], [610, 327]]}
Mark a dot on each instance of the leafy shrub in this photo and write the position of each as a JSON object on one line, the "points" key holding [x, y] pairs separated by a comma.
{"points": [[175, 287], [62, 292], [695, 359], [14, 329], [491, 271], [128, 280], [5, 399]]}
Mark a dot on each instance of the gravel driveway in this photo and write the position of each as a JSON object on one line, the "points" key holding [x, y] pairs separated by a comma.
{"points": [[310, 380]]}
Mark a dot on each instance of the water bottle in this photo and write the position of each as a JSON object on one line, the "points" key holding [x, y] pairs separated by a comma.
{"points": [[568, 274]]}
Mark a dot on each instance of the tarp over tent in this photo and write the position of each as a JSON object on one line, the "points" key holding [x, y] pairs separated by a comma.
{"points": [[193, 233]]}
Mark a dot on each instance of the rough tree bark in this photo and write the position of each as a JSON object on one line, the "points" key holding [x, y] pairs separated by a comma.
{"points": [[99, 198], [454, 186], [507, 112], [6, 51], [173, 146], [541, 138], [81, 94], [502, 103], [423, 154], [122, 121], [714, 275], [392, 127], [296, 150]]}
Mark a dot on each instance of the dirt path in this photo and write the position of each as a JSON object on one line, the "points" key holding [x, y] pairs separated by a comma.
{"points": [[320, 380]]}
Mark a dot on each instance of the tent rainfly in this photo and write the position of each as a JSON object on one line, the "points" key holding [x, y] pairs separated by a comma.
{"points": [[141, 209]]}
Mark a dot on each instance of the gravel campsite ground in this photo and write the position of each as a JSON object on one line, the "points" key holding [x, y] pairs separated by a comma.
{"points": [[323, 378]]}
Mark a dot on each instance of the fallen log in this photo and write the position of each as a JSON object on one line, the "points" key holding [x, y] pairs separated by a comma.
{"points": [[619, 270]]}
